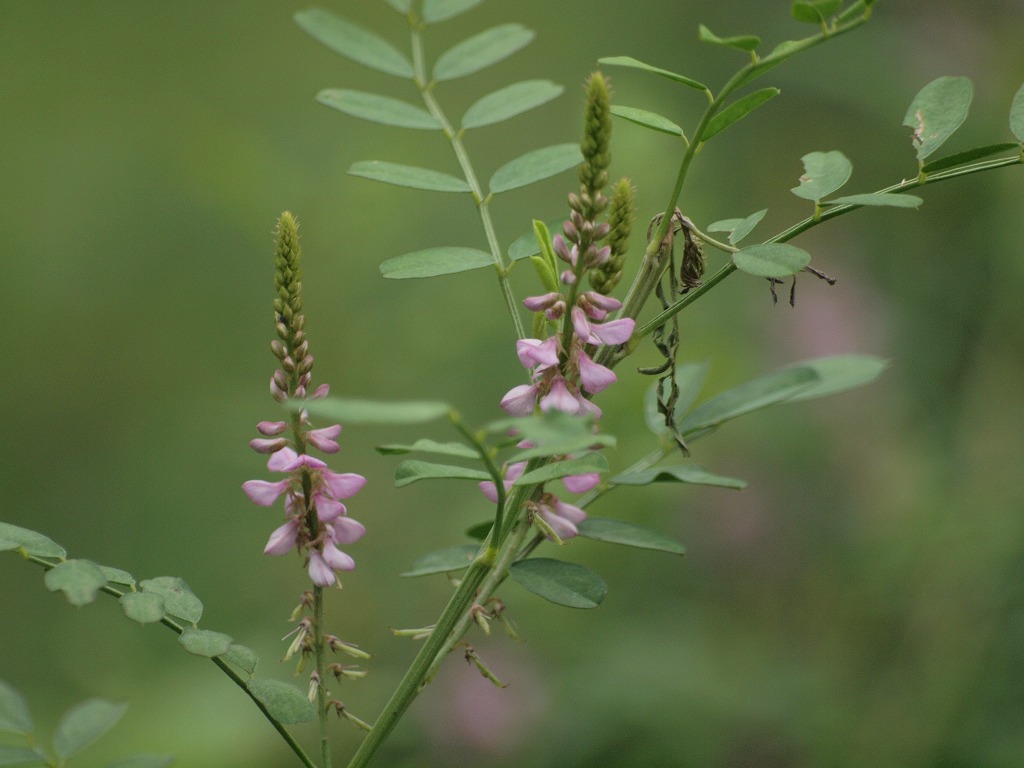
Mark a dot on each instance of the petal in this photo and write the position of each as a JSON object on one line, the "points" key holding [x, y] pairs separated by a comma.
{"points": [[570, 512], [320, 392], [581, 483], [262, 445], [559, 398], [489, 490], [563, 527], [537, 303], [345, 530], [594, 377], [343, 485], [281, 460], [319, 572], [612, 332], [263, 492], [336, 559], [580, 323], [534, 352], [271, 428], [323, 438], [282, 539], [327, 509], [519, 401]]}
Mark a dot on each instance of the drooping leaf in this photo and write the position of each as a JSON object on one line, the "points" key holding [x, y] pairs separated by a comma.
{"points": [[525, 246], [534, 166], [771, 259], [738, 228], [838, 373], [178, 598], [568, 584], [21, 756], [411, 470], [83, 724], [441, 10], [968, 155], [937, 111], [354, 42], [481, 51], [743, 42], [1017, 115], [761, 392], [619, 532], [14, 715], [824, 173], [814, 11], [143, 607], [901, 200], [443, 561], [648, 120], [242, 657], [629, 61], [15, 537], [142, 761], [374, 411], [737, 111], [510, 101], [283, 700], [689, 380], [681, 473], [432, 262], [204, 642], [430, 446], [79, 580], [408, 176], [117, 576], [378, 109], [582, 465]]}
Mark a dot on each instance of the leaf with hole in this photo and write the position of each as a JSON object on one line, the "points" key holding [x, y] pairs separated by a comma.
{"points": [[824, 173], [481, 51], [568, 584], [35, 544], [629, 61], [378, 109], [354, 42], [742, 42], [619, 532], [430, 446], [410, 471], [178, 598], [937, 111], [814, 11], [442, 10], [771, 259], [286, 703], [510, 101], [431, 262], [143, 607], [648, 120], [79, 580], [83, 724], [692, 474], [381, 412], [443, 560], [737, 111], [408, 176], [535, 166], [14, 714]]}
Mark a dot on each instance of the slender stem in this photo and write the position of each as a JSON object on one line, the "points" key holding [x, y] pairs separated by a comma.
{"points": [[321, 686], [454, 137], [221, 664]]}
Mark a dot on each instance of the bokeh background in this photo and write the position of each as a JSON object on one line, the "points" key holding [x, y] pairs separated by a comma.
{"points": [[861, 603]]}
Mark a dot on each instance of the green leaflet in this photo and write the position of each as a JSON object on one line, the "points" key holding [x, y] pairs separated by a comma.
{"points": [[535, 166], [681, 473], [378, 109], [178, 598], [647, 119], [410, 471], [481, 51], [354, 42], [83, 724], [510, 101], [435, 261], [443, 560], [408, 176], [79, 580], [629, 61], [824, 173], [351, 411], [627, 534], [568, 584], [771, 259], [742, 42], [442, 10], [738, 228], [1017, 115], [737, 111], [284, 701], [937, 111], [901, 200]]}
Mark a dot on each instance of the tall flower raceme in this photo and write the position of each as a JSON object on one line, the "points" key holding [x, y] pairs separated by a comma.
{"points": [[563, 374], [316, 520]]}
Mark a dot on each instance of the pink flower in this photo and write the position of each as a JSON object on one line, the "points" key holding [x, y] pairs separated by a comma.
{"points": [[534, 352], [282, 539], [563, 518], [324, 438], [263, 492], [343, 485], [336, 559], [594, 377], [345, 530], [559, 398], [512, 473], [612, 332], [520, 401], [581, 483], [320, 573]]}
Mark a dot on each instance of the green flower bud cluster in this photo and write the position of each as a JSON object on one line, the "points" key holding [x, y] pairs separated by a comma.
{"points": [[620, 220], [291, 347]]}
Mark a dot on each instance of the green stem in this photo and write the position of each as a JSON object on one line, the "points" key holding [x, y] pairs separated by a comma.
{"points": [[221, 664], [321, 688], [454, 137]]}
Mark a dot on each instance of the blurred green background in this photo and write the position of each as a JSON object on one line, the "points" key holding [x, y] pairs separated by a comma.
{"points": [[861, 603]]}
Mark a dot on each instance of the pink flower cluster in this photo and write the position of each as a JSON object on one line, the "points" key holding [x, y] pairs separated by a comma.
{"points": [[317, 521], [560, 516]]}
